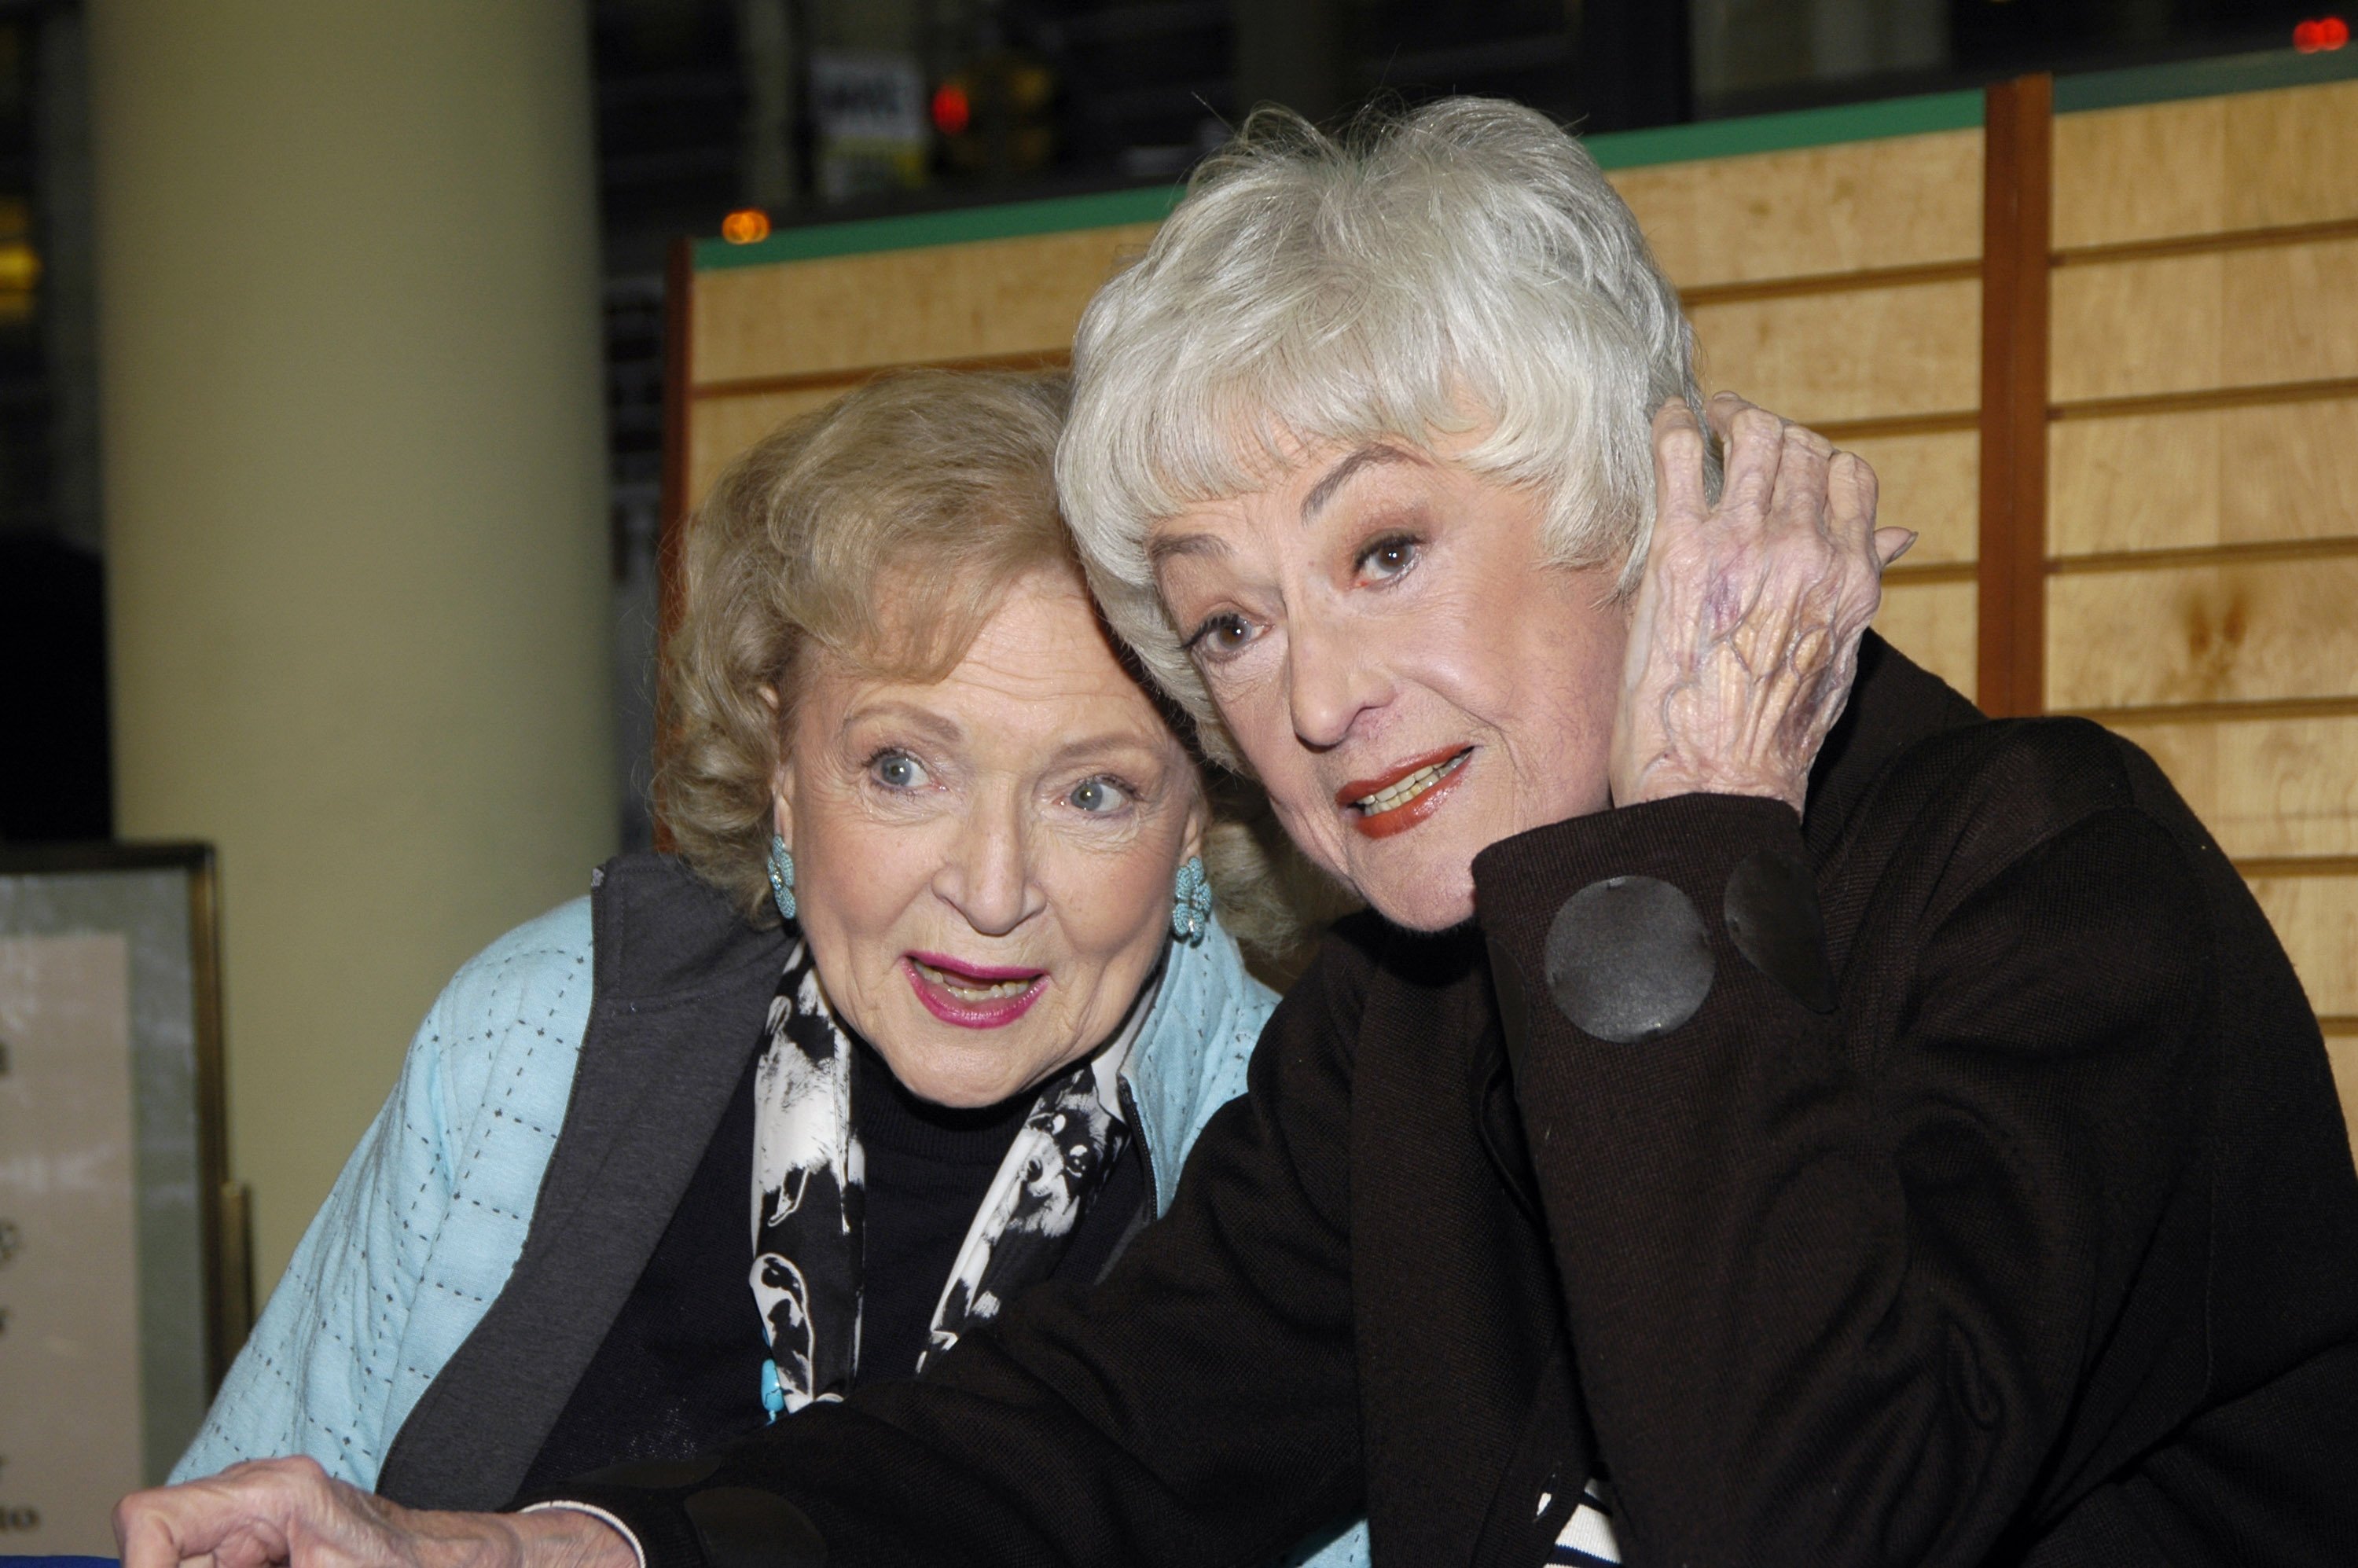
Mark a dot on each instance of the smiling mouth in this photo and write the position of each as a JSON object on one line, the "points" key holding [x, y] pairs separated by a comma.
{"points": [[972, 996], [1398, 801], [1392, 797], [971, 987]]}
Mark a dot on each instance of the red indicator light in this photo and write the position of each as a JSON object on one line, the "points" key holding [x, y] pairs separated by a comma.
{"points": [[2323, 34], [745, 226], [952, 111]]}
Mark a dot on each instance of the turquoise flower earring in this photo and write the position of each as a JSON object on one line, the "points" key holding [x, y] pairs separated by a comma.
{"points": [[1191, 902], [781, 876]]}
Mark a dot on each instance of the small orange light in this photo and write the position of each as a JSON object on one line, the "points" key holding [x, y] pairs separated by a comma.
{"points": [[2323, 34], [745, 226], [952, 113]]}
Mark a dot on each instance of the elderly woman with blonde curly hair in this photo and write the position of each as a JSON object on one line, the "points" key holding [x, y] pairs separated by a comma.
{"points": [[924, 1013]]}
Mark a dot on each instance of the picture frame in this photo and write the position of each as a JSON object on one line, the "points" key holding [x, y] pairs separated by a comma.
{"points": [[126, 1279]]}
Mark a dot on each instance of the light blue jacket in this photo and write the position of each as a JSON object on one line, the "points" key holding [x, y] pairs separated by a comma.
{"points": [[428, 1218]]}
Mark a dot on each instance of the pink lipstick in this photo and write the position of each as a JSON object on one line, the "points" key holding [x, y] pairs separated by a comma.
{"points": [[972, 996]]}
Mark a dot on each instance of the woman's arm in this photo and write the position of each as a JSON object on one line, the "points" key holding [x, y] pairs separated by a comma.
{"points": [[1837, 1276], [425, 1222]]}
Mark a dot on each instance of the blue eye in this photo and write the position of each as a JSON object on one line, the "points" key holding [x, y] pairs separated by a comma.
{"points": [[897, 769], [1098, 797]]}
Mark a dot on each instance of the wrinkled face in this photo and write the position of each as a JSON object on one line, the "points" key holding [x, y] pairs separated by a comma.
{"points": [[1413, 683], [984, 865]]}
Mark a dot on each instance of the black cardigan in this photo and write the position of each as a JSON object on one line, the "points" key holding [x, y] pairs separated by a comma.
{"points": [[2042, 1246]]}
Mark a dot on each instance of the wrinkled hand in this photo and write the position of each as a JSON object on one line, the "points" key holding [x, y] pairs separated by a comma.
{"points": [[1744, 636], [271, 1511]]}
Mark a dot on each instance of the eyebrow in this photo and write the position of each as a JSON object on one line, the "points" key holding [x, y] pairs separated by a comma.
{"points": [[1376, 454], [1110, 741], [1174, 544], [907, 713]]}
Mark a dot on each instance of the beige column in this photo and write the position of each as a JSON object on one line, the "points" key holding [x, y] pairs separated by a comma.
{"points": [[355, 490]]}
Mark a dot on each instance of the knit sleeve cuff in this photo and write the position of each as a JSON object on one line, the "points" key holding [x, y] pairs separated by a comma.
{"points": [[625, 1531]]}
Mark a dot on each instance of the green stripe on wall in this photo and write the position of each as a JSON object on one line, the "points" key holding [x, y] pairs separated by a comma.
{"points": [[1004, 220], [2201, 78], [1782, 133]]}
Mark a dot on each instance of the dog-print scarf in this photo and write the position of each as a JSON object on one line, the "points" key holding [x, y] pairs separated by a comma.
{"points": [[808, 1182]]}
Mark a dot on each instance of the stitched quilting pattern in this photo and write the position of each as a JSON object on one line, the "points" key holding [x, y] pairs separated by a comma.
{"points": [[384, 1288]]}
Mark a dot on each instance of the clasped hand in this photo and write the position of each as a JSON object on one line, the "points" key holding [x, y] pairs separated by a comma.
{"points": [[1743, 634], [272, 1511]]}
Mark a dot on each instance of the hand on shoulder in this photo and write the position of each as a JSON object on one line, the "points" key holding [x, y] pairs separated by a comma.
{"points": [[1744, 636]]}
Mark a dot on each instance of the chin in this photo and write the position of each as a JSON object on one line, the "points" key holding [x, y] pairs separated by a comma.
{"points": [[959, 1090], [953, 1074], [1433, 903]]}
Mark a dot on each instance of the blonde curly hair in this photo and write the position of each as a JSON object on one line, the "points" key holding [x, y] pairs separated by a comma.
{"points": [[923, 488]]}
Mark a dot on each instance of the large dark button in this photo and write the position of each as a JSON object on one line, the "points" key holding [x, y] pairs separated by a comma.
{"points": [[654, 1473], [743, 1528], [1774, 921], [1629, 959]]}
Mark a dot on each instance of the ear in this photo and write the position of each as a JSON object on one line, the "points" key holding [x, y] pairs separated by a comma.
{"points": [[1198, 828], [782, 776]]}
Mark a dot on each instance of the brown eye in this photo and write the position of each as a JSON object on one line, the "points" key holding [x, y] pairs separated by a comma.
{"points": [[1222, 636], [1387, 558]]}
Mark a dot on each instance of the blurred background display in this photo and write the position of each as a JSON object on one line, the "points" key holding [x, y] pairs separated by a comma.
{"points": [[742, 117]]}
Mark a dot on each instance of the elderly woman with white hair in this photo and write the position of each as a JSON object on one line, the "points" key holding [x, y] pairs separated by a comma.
{"points": [[1769, 1114]]}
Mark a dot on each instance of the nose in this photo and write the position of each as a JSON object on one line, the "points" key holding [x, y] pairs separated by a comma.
{"points": [[1331, 677], [987, 876]]}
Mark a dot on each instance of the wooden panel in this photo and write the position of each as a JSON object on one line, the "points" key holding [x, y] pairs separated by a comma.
{"points": [[1872, 353], [1930, 483], [2246, 161], [2156, 482], [2189, 323], [1933, 624], [2203, 635], [1901, 201], [720, 427], [943, 302], [2317, 920], [2018, 120], [2268, 786]]}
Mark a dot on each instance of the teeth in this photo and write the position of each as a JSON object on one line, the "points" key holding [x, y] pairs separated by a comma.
{"points": [[998, 990], [1393, 796]]}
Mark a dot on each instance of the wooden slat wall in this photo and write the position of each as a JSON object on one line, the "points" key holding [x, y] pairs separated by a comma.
{"points": [[768, 342], [1840, 286], [2201, 485], [2203, 595]]}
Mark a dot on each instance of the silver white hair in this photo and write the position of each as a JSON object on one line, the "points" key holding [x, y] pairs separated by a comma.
{"points": [[1464, 267]]}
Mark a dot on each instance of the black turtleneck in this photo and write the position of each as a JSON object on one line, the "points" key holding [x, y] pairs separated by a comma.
{"points": [[678, 1371]]}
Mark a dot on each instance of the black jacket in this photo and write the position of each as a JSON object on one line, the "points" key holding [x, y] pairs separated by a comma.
{"points": [[2040, 1245]]}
